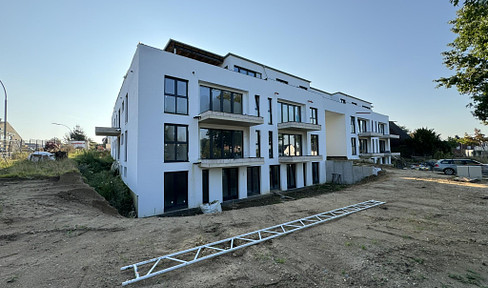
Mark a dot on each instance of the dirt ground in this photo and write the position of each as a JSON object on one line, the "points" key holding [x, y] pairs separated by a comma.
{"points": [[433, 232]]}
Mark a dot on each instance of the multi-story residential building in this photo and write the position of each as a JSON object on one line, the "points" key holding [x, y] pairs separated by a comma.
{"points": [[190, 126]]}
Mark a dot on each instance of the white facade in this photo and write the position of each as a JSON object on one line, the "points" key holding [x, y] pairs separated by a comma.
{"points": [[140, 115]]}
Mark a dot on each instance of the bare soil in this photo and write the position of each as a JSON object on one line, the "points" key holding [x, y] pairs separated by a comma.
{"points": [[433, 232]]}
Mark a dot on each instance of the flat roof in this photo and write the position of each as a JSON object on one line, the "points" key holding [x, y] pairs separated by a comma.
{"points": [[192, 52]]}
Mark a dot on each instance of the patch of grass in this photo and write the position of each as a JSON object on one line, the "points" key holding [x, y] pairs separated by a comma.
{"points": [[470, 277], [418, 260], [348, 244], [95, 168], [363, 247], [26, 169], [280, 260], [407, 237]]}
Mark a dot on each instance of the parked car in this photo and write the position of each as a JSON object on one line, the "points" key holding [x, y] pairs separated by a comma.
{"points": [[449, 166], [40, 156]]}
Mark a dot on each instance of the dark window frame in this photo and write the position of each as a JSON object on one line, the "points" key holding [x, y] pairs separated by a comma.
{"points": [[291, 176], [177, 187], [221, 104], [314, 143], [274, 170], [281, 81], [253, 185], [205, 186], [353, 125], [175, 94], [233, 154], [256, 105], [353, 146], [231, 183], [270, 144], [313, 116], [297, 112], [175, 143], [258, 143], [315, 172], [270, 111], [281, 144], [248, 72]]}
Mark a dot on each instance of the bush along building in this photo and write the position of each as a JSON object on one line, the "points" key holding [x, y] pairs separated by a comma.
{"points": [[190, 127]]}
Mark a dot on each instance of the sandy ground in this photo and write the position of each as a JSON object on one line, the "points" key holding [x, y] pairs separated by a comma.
{"points": [[433, 232]]}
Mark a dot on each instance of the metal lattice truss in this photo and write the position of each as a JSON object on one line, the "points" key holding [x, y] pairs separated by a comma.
{"points": [[170, 262]]}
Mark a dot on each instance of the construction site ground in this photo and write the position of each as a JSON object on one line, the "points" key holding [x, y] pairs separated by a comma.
{"points": [[433, 232]]}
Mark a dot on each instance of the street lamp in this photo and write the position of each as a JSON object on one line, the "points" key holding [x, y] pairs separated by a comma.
{"points": [[70, 132], [5, 120]]}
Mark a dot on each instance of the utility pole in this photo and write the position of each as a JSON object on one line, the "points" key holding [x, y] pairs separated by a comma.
{"points": [[5, 120]]}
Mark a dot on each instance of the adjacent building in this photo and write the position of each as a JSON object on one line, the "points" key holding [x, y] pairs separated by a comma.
{"points": [[190, 126]]}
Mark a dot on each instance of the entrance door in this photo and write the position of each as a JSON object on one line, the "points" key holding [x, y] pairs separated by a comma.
{"points": [[175, 190], [291, 176], [230, 183]]}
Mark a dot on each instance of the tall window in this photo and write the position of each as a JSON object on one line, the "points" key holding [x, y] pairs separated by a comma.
{"points": [[220, 100], [290, 144], [381, 128], [256, 105], [353, 146], [291, 177], [270, 144], [258, 143], [363, 146], [230, 183], [270, 111], [175, 190], [175, 143], [253, 181], [353, 125], [126, 144], [289, 113], [175, 96], [205, 187], [314, 139], [382, 146], [315, 172], [313, 116], [126, 107], [274, 177], [220, 144]]}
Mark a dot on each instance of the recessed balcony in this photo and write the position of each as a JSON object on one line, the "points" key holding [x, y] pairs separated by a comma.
{"points": [[300, 159], [230, 119], [234, 162], [299, 126]]}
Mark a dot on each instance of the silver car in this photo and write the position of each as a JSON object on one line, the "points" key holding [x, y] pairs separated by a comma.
{"points": [[449, 166]]}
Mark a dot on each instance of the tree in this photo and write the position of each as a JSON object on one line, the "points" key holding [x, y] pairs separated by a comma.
{"points": [[469, 56], [77, 134], [426, 142]]}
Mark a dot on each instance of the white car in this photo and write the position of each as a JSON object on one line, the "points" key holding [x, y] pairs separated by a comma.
{"points": [[41, 156]]}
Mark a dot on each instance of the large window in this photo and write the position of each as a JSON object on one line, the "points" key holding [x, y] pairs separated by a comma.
{"points": [[270, 144], [289, 113], [314, 139], [313, 116], [256, 105], [353, 146], [247, 72], [175, 143], [230, 184], [253, 181], [220, 144], [220, 100], [382, 146], [353, 125], [289, 145], [205, 186], [270, 111], [175, 190], [175, 96], [315, 172], [258, 143], [274, 177], [381, 128]]}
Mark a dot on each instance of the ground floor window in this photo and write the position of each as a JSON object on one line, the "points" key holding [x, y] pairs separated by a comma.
{"points": [[230, 183], [274, 177], [363, 146], [253, 181], [205, 187], [353, 146], [291, 175], [304, 174], [175, 190], [315, 172]]}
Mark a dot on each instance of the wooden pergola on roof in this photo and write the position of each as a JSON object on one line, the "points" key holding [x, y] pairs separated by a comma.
{"points": [[186, 50]]}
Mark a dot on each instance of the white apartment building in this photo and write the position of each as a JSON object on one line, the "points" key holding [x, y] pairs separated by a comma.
{"points": [[190, 126]]}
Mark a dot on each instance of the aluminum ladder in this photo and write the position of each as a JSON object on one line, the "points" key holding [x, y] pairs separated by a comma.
{"points": [[170, 262]]}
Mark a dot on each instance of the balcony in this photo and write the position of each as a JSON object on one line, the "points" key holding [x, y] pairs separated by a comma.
{"points": [[370, 134], [107, 131], [234, 162], [230, 119], [391, 136], [299, 126], [379, 154], [300, 159]]}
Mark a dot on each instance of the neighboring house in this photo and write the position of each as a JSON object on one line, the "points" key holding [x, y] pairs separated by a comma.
{"points": [[14, 141], [190, 126]]}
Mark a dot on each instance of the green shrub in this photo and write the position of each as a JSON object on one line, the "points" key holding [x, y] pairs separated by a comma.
{"points": [[95, 168]]}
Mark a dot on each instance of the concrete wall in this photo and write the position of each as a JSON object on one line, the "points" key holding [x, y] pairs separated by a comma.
{"points": [[349, 174]]}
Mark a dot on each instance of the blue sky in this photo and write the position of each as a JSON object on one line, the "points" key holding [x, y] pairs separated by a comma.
{"points": [[63, 61]]}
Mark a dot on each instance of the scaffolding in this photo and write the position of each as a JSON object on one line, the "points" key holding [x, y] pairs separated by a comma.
{"points": [[163, 264]]}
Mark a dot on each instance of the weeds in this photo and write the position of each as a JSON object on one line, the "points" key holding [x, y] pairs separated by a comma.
{"points": [[471, 277], [280, 260], [34, 170], [95, 168]]}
